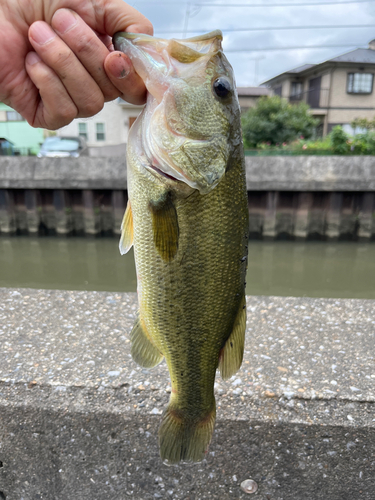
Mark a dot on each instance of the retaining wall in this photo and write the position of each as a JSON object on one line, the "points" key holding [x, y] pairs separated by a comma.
{"points": [[295, 197]]}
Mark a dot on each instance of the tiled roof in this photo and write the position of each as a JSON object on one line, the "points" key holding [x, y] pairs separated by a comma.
{"points": [[356, 56], [301, 68]]}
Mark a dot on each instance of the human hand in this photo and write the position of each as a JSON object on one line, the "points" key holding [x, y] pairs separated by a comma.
{"points": [[57, 61]]}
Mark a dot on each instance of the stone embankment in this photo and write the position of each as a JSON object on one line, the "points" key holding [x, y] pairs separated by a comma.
{"points": [[79, 419], [295, 197]]}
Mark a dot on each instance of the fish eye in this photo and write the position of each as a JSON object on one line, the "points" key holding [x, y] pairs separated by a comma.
{"points": [[222, 87]]}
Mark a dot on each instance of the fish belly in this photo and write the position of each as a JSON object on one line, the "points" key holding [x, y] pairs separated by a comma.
{"points": [[189, 305]]}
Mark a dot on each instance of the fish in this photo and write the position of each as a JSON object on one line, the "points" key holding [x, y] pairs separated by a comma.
{"points": [[187, 218]]}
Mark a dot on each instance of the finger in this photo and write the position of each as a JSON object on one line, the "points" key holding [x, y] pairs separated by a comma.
{"points": [[120, 16], [55, 108], [86, 46], [82, 88], [122, 74]]}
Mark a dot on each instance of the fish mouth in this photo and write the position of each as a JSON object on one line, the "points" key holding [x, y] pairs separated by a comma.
{"points": [[163, 174], [171, 156]]}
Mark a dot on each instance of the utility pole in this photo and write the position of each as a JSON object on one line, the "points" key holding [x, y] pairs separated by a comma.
{"points": [[191, 11], [186, 21]]}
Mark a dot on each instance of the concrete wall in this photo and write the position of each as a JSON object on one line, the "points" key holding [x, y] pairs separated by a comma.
{"points": [[289, 197], [275, 173]]}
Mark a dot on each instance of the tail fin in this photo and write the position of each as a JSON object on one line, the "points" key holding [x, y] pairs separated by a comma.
{"points": [[185, 439]]}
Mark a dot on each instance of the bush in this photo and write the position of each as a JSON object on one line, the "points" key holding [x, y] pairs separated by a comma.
{"points": [[339, 141], [318, 146], [275, 121], [363, 144]]}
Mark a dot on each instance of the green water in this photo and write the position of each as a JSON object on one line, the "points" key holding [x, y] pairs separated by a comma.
{"points": [[312, 269]]}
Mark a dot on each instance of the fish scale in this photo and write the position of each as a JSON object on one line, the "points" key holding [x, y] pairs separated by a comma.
{"points": [[190, 245]]}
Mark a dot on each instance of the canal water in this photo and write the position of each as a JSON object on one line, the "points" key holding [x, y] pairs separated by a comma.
{"points": [[312, 269]]}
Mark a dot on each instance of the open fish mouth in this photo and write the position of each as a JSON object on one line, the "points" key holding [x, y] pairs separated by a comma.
{"points": [[176, 77], [163, 174]]}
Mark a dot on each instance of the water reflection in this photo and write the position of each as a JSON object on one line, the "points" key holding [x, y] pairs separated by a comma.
{"points": [[70, 264], [314, 269]]}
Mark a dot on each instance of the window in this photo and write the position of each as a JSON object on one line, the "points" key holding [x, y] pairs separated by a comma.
{"points": [[296, 91], [360, 83], [13, 116], [100, 132], [82, 130], [278, 90]]}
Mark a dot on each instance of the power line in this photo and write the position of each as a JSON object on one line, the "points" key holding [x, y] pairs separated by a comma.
{"points": [[294, 47], [285, 4], [275, 28], [259, 5]]}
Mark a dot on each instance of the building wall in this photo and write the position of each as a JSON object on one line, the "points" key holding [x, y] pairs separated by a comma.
{"points": [[115, 117], [344, 107], [247, 102], [340, 97], [20, 133]]}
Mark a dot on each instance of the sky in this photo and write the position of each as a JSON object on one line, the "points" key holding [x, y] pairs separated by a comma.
{"points": [[245, 50]]}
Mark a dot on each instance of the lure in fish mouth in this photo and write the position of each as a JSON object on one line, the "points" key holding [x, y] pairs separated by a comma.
{"points": [[189, 114]]}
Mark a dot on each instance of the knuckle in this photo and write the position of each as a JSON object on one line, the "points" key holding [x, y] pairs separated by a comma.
{"points": [[91, 107], [111, 94], [66, 115], [64, 57], [85, 44]]}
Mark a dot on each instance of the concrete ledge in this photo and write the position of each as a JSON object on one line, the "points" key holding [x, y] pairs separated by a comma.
{"points": [[62, 173], [79, 418], [268, 173], [310, 173]]}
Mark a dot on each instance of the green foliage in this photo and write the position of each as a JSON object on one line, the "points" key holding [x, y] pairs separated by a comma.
{"points": [[339, 141], [363, 123], [363, 144], [275, 121]]}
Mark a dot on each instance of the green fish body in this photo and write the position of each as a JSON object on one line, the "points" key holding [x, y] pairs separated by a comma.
{"points": [[187, 218]]}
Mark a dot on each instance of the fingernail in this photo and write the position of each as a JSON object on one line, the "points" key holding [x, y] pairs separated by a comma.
{"points": [[42, 33], [64, 20], [121, 68], [33, 58]]}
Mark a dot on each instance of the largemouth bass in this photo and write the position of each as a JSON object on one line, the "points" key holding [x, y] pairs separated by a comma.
{"points": [[187, 218]]}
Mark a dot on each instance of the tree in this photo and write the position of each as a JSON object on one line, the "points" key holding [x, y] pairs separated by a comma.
{"points": [[274, 120]]}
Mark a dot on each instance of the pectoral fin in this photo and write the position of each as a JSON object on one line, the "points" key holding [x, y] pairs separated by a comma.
{"points": [[232, 352], [126, 240], [165, 227], [143, 350]]}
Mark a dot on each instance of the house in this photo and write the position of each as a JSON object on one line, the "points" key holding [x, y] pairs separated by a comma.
{"points": [[106, 133], [24, 138], [248, 96], [338, 90]]}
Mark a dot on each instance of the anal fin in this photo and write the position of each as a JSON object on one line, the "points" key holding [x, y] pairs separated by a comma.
{"points": [[232, 352], [143, 351], [127, 234]]}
